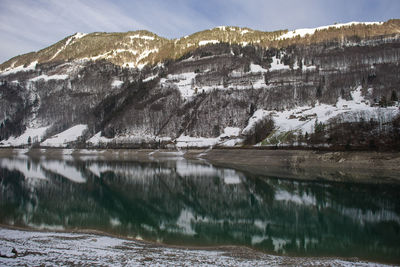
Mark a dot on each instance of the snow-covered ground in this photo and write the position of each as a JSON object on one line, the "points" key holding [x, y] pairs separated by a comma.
{"points": [[63, 138], [117, 84], [184, 82], [48, 78], [137, 138], [206, 42], [138, 36], [310, 31], [303, 118], [300, 119], [13, 70], [35, 135], [229, 132], [78, 249]]}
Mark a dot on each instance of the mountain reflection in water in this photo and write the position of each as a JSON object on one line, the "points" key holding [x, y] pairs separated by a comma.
{"points": [[193, 203]]}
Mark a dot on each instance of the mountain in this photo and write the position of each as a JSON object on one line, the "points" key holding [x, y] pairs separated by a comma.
{"points": [[334, 86]]}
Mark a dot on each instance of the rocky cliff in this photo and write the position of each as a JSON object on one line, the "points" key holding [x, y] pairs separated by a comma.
{"points": [[332, 86]]}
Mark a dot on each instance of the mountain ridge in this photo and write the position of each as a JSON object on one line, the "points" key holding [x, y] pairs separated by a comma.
{"points": [[336, 88], [142, 47]]}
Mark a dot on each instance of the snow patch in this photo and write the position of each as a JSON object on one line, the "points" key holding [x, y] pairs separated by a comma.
{"points": [[36, 134], [97, 139], [138, 36], [117, 84], [79, 35], [184, 82], [257, 68], [303, 118], [257, 116], [206, 42], [188, 141], [146, 53], [47, 78], [63, 138], [150, 78], [310, 31], [68, 42], [230, 132], [12, 70], [278, 65]]}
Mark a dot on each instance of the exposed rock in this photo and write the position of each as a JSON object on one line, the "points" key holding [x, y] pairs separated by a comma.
{"points": [[209, 88]]}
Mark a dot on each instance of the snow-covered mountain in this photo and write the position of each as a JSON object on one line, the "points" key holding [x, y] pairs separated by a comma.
{"points": [[334, 86]]}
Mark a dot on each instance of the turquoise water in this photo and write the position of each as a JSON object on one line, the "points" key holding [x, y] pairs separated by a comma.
{"points": [[188, 203]]}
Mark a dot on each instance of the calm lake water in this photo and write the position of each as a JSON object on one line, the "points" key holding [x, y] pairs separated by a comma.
{"points": [[180, 202]]}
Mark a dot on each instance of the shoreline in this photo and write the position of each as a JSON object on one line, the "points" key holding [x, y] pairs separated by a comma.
{"points": [[310, 165], [286, 164], [37, 246], [376, 167]]}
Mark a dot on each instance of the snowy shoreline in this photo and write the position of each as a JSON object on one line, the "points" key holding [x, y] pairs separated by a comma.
{"points": [[68, 248]]}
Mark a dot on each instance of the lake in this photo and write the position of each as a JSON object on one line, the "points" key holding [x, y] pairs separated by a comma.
{"points": [[189, 203]]}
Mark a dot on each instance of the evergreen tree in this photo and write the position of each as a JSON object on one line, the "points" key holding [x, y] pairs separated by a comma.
{"points": [[394, 96]]}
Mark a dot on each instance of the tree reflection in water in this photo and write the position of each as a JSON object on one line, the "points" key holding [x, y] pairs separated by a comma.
{"points": [[193, 203]]}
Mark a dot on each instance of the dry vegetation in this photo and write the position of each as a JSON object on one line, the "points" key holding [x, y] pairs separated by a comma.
{"points": [[120, 48]]}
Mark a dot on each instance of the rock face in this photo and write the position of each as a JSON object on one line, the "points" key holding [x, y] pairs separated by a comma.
{"points": [[304, 92]]}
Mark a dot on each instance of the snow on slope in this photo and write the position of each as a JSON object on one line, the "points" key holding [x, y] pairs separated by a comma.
{"points": [[140, 136], [257, 116], [13, 70], [229, 132], [68, 42], [187, 141], [51, 77], [303, 32], [206, 42], [138, 36], [184, 82], [278, 65], [36, 134], [303, 118], [257, 68], [62, 139], [117, 83]]}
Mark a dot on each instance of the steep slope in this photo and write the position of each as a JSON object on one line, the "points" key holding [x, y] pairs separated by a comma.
{"points": [[138, 48], [224, 86], [124, 49]]}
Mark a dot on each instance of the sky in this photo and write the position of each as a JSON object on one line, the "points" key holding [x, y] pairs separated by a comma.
{"points": [[30, 25]]}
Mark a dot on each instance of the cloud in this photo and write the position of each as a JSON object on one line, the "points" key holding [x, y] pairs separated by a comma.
{"points": [[31, 25]]}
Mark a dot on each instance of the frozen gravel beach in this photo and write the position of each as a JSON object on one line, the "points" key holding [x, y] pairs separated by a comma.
{"points": [[83, 249]]}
